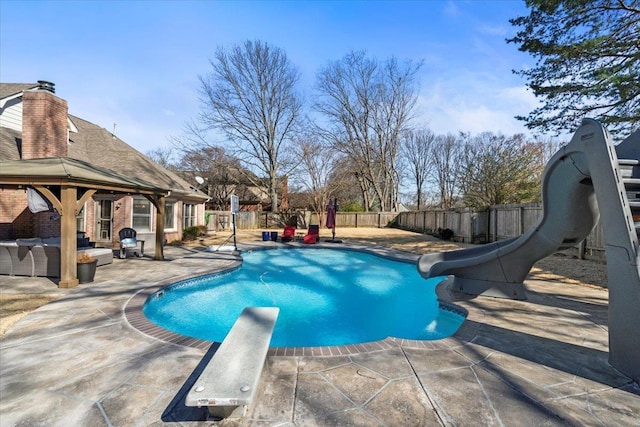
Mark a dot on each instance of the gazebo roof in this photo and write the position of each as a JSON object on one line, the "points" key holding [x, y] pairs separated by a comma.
{"points": [[68, 171]]}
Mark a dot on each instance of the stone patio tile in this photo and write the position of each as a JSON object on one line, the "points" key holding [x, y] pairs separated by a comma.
{"points": [[128, 403], [317, 364], [598, 370], [607, 408], [160, 423], [510, 405], [52, 324], [358, 383], [473, 352], [403, 403], [619, 406], [275, 399], [128, 339], [156, 412], [350, 418], [44, 408], [282, 365], [389, 363], [316, 398], [538, 381], [577, 385], [54, 372], [164, 366], [459, 397], [98, 383], [257, 423], [436, 360], [596, 340]]}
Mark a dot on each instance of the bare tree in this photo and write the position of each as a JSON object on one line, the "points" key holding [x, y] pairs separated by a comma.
{"points": [[417, 151], [495, 169], [316, 175], [221, 172], [445, 152], [367, 105], [348, 188], [163, 157], [250, 97]]}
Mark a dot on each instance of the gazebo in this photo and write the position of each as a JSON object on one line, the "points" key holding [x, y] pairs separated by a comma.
{"points": [[67, 184]]}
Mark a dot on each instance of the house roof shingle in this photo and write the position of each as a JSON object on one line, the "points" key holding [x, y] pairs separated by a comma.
{"points": [[9, 89]]}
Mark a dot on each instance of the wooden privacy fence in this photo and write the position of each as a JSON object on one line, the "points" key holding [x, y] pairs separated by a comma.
{"points": [[221, 220], [483, 225], [471, 225]]}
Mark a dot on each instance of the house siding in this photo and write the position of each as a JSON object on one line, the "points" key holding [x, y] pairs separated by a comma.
{"points": [[11, 114]]}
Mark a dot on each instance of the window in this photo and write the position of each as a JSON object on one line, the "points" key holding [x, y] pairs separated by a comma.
{"points": [[80, 220], [141, 214], [188, 215], [169, 215]]}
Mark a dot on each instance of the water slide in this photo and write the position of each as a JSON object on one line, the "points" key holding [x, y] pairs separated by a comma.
{"points": [[582, 182]]}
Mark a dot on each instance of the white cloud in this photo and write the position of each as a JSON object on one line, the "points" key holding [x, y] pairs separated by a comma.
{"points": [[494, 30], [474, 102], [451, 9]]}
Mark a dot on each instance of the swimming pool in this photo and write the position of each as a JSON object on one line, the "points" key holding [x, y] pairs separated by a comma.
{"points": [[326, 297]]}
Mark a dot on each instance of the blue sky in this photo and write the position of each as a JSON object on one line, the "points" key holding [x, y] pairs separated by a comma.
{"points": [[136, 63]]}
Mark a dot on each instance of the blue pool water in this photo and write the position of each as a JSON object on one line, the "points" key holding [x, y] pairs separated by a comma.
{"points": [[326, 297]]}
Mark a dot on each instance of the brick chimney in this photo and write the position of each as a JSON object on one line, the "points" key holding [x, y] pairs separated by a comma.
{"points": [[44, 123]]}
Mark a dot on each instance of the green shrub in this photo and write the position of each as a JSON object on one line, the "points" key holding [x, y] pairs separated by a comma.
{"points": [[191, 233], [351, 207]]}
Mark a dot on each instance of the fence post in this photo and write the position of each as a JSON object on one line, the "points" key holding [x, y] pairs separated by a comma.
{"points": [[520, 220], [495, 224]]}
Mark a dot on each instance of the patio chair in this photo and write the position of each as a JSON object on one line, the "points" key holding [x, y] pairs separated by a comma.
{"points": [[128, 240], [288, 234], [313, 234]]}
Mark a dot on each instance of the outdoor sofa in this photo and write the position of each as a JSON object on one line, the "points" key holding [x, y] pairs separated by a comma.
{"points": [[41, 257]]}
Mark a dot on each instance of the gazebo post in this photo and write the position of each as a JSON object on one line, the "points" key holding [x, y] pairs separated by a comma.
{"points": [[68, 242], [160, 213]]}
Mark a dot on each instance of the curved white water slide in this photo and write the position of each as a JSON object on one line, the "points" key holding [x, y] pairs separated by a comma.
{"points": [[583, 181]]}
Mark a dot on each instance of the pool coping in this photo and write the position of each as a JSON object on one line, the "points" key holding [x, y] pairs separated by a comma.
{"points": [[446, 298]]}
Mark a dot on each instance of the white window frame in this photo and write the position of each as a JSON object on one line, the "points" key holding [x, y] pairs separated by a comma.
{"points": [[189, 215], [135, 215], [172, 216], [81, 219]]}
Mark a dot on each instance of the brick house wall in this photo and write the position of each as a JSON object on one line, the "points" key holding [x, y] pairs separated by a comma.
{"points": [[46, 224], [17, 221], [15, 217]]}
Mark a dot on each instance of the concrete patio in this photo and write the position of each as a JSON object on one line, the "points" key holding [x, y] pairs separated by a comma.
{"points": [[78, 362]]}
